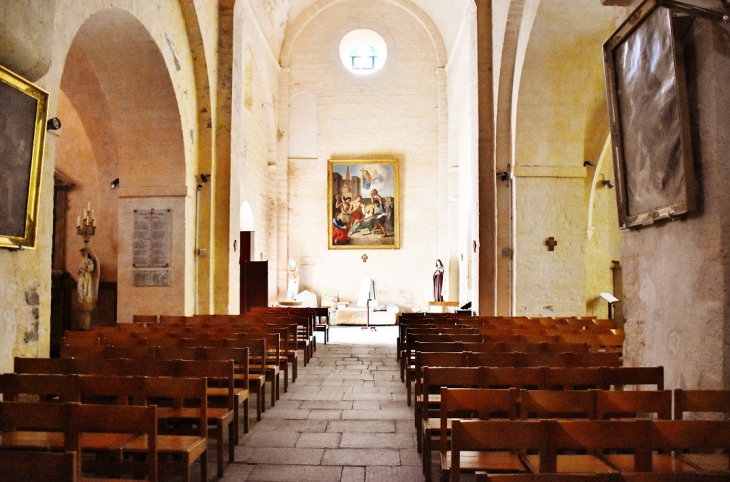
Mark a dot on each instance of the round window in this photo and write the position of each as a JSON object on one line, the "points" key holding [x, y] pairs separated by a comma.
{"points": [[363, 51]]}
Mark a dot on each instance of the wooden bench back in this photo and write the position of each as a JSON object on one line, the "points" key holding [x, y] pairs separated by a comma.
{"points": [[136, 421], [701, 401]]}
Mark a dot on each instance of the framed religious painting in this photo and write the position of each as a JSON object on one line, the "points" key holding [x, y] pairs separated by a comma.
{"points": [[649, 115], [23, 109], [363, 204]]}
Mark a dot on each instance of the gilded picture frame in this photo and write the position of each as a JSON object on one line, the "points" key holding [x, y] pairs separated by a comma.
{"points": [[23, 109], [363, 204], [649, 115]]}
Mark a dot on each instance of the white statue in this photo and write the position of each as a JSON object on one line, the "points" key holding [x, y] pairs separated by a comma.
{"points": [[292, 275], [89, 271], [88, 287]]}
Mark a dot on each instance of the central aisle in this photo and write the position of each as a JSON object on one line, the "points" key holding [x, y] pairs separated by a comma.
{"points": [[344, 419]]}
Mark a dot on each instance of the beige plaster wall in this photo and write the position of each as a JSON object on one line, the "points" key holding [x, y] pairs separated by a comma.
{"points": [[463, 189], [676, 273], [391, 114]]}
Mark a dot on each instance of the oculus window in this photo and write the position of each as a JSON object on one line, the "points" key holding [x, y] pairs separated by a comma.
{"points": [[363, 52]]}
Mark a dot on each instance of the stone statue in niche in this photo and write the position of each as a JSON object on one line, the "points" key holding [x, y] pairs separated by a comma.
{"points": [[88, 286], [438, 281], [292, 276]]}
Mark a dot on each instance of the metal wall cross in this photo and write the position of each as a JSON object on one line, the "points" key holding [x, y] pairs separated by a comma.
{"points": [[551, 243], [364, 258]]}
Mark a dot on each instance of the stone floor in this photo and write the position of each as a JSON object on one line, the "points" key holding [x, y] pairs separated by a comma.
{"points": [[345, 419]]}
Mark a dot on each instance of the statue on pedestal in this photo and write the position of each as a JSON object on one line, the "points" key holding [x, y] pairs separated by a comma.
{"points": [[87, 286], [438, 281]]}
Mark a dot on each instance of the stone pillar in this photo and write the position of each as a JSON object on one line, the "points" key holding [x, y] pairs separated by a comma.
{"points": [[487, 180], [221, 181]]}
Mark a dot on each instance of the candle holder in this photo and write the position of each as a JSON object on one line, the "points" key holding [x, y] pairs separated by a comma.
{"points": [[86, 228]]}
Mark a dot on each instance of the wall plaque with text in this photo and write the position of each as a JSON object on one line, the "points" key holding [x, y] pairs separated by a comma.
{"points": [[151, 238]]}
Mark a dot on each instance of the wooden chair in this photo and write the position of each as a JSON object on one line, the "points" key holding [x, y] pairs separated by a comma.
{"points": [[710, 438], [33, 426], [574, 378], [701, 401], [432, 359], [218, 390], [407, 357], [514, 377], [184, 401], [41, 365], [497, 443], [291, 348], [273, 359], [632, 404], [578, 446], [429, 423], [115, 426], [173, 319], [256, 375], [482, 404], [183, 449], [27, 466], [146, 319], [645, 377], [46, 387], [557, 404], [322, 324]]}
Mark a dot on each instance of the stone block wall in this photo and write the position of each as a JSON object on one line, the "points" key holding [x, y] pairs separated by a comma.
{"points": [[549, 283]]}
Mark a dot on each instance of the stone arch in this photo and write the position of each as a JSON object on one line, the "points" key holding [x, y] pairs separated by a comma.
{"points": [[321, 5], [121, 121], [557, 97]]}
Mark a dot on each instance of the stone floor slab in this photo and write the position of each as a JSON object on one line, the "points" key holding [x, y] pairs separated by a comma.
{"points": [[361, 457]]}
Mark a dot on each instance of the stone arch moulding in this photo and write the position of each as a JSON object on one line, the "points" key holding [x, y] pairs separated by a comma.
{"points": [[119, 84], [300, 23]]}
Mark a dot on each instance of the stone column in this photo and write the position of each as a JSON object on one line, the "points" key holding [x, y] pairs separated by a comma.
{"points": [[487, 180]]}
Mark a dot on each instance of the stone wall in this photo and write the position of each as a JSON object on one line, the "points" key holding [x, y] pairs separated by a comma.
{"points": [[676, 273]]}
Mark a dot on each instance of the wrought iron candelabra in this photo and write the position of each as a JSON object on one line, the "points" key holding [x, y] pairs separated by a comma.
{"points": [[86, 228]]}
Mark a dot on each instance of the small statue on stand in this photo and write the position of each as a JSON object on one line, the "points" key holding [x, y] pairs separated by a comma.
{"points": [[292, 276], [438, 281], [89, 270]]}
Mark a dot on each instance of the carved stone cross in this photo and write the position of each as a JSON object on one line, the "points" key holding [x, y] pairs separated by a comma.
{"points": [[551, 243], [364, 258]]}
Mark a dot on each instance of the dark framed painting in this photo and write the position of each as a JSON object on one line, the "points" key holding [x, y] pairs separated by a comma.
{"points": [[362, 204], [649, 115], [23, 108]]}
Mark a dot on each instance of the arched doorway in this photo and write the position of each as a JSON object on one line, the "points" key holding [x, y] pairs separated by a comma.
{"points": [[122, 147]]}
